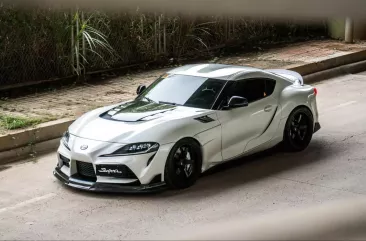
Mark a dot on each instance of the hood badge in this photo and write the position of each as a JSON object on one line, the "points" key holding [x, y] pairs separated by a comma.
{"points": [[84, 147]]}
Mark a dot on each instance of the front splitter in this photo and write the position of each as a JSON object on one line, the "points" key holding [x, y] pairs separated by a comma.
{"points": [[107, 187]]}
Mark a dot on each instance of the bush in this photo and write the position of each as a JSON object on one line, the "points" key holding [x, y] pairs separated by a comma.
{"points": [[36, 45]]}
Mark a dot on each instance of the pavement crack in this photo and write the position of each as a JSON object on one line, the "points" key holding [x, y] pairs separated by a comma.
{"points": [[352, 136], [317, 185]]}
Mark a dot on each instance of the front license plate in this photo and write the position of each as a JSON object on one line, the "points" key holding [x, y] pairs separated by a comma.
{"points": [[110, 170]]}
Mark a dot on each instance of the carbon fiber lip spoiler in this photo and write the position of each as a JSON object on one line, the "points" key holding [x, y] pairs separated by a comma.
{"points": [[107, 187]]}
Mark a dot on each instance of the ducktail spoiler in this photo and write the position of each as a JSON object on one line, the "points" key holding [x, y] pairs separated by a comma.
{"points": [[290, 75]]}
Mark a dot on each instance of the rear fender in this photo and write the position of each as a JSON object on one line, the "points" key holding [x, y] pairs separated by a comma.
{"points": [[294, 96]]}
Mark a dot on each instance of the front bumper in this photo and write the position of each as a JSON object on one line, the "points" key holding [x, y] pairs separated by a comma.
{"points": [[106, 187], [80, 168]]}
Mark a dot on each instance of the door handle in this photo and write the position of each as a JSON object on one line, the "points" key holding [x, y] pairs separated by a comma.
{"points": [[268, 108]]}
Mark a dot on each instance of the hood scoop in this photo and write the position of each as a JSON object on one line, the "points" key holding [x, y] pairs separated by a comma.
{"points": [[137, 111]]}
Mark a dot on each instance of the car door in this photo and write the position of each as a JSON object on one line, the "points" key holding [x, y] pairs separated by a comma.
{"points": [[241, 125]]}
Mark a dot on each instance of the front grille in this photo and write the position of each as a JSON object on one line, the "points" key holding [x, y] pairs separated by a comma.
{"points": [[65, 161], [86, 170], [117, 171]]}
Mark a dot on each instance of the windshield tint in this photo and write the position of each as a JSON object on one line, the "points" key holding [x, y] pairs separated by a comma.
{"points": [[184, 90]]}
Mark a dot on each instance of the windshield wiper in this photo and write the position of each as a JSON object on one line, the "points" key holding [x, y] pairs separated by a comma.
{"points": [[167, 103]]}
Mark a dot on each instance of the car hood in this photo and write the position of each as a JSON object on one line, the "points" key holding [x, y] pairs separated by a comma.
{"points": [[121, 123], [135, 111]]}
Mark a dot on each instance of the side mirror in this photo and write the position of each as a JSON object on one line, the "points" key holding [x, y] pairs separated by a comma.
{"points": [[236, 102], [140, 89]]}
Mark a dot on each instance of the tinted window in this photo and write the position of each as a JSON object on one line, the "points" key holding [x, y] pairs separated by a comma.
{"points": [[251, 89], [184, 90], [270, 86], [226, 94]]}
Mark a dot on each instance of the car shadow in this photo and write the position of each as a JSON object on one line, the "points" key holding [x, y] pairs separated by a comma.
{"points": [[237, 172], [256, 167]]}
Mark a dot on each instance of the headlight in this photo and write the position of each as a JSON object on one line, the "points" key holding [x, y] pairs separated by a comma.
{"points": [[65, 139], [136, 148]]}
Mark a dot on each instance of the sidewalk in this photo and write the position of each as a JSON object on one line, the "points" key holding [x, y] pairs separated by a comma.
{"points": [[73, 101]]}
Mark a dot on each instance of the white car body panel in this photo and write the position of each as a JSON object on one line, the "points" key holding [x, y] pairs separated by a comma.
{"points": [[229, 133], [249, 125], [178, 118]]}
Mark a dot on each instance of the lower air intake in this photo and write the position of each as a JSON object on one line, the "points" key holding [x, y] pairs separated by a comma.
{"points": [[86, 170]]}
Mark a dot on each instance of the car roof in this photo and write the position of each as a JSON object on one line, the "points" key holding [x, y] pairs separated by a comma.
{"points": [[215, 71]]}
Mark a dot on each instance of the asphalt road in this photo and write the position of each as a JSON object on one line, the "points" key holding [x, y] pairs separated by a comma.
{"points": [[34, 205]]}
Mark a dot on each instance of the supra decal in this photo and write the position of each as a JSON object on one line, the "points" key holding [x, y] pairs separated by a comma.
{"points": [[205, 119], [109, 171]]}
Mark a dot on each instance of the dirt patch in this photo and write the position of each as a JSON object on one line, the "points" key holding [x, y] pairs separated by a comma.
{"points": [[344, 47], [263, 64]]}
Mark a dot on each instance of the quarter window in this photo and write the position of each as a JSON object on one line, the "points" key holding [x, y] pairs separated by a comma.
{"points": [[270, 86]]}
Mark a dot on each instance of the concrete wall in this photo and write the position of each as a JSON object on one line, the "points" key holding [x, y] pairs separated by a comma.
{"points": [[336, 29]]}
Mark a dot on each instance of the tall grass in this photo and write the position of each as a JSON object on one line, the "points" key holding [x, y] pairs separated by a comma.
{"points": [[87, 41], [38, 44]]}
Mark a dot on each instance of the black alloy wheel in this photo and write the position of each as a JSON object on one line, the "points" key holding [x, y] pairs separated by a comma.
{"points": [[299, 130], [183, 165]]}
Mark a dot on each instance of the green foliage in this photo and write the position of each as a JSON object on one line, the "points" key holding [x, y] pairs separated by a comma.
{"points": [[14, 122], [88, 41], [37, 44]]}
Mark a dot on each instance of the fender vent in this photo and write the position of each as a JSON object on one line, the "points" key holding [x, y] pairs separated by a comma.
{"points": [[205, 119]]}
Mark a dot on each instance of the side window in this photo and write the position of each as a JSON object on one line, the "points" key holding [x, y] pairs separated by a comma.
{"points": [[225, 95], [255, 89], [270, 86], [251, 89]]}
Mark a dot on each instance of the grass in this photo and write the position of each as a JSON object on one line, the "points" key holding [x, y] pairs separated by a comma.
{"points": [[13, 122]]}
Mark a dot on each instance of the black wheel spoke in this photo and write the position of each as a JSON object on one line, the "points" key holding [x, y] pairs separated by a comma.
{"points": [[303, 127], [299, 120], [183, 165], [184, 161], [298, 130]]}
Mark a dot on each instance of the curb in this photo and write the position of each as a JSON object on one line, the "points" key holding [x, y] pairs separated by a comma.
{"points": [[45, 137], [334, 72], [20, 153], [311, 68], [41, 138]]}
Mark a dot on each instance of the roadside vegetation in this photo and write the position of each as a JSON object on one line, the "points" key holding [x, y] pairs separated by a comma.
{"points": [[43, 44], [8, 122]]}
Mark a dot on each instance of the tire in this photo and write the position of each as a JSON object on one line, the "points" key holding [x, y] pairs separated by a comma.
{"points": [[181, 173], [298, 130]]}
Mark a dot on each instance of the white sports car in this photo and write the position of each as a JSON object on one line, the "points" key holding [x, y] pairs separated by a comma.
{"points": [[190, 119]]}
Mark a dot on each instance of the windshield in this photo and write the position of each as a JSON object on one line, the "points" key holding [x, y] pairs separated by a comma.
{"points": [[192, 91]]}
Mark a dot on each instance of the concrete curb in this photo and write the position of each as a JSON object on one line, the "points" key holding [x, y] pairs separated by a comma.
{"points": [[41, 138], [334, 72], [29, 151], [331, 63], [45, 137]]}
